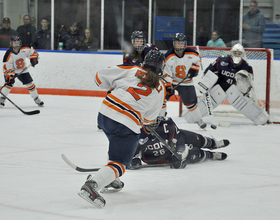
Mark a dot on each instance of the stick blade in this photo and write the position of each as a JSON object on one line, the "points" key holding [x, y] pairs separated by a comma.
{"points": [[32, 112]]}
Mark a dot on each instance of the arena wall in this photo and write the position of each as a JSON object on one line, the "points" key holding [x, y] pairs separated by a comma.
{"points": [[72, 73]]}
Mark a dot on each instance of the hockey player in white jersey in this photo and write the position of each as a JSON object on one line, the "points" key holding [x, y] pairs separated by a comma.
{"points": [[136, 98], [230, 78], [182, 64], [15, 66]]}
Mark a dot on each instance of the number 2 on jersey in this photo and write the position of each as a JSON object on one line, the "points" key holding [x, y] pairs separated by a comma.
{"points": [[136, 92]]}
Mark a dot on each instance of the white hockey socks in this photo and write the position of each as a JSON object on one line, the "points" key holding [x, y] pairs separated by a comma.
{"points": [[32, 90], [108, 174]]}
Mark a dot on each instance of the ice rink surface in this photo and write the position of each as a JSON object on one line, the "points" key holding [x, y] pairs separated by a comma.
{"points": [[35, 183]]}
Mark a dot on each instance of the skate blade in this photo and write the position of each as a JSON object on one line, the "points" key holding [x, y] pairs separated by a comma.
{"points": [[97, 202], [109, 190]]}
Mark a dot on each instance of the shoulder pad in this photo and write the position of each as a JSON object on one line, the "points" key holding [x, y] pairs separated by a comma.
{"points": [[8, 52], [190, 50], [169, 52]]}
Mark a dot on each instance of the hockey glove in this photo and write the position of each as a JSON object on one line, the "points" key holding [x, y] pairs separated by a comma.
{"points": [[169, 90], [34, 61], [178, 164], [10, 76]]}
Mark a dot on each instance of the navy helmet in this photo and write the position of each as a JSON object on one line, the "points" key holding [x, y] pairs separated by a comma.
{"points": [[15, 38], [179, 37], [155, 60], [138, 35]]}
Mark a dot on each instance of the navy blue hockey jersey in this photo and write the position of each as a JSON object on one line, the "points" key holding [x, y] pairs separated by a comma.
{"points": [[226, 70]]}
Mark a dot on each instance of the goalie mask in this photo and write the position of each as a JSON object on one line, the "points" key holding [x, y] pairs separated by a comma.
{"points": [[138, 40], [155, 61], [180, 42], [15, 42], [237, 53]]}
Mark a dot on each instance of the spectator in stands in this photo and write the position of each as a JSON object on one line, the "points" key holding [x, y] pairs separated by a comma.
{"points": [[253, 26], [6, 32], [72, 39], [89, 42], [43, 36], [26, 31], [216, 41]]}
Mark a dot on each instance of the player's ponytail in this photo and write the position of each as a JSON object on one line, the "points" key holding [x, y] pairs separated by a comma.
{"points": [[150, 79]]}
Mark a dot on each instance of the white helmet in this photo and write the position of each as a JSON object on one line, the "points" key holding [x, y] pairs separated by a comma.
{"points": [[237, 57]]}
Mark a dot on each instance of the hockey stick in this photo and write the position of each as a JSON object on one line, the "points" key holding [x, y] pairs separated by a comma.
{"points": [[213, 121], [172, 149], [24, 112], [80, 169], [180, 82]]}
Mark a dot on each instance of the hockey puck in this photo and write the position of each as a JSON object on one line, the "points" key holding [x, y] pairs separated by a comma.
{"points": [[213, 126]]}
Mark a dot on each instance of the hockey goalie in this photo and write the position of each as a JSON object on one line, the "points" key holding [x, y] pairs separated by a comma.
{"points": [[231, 78]]}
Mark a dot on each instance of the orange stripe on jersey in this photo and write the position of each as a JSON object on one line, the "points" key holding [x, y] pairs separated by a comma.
{"points": [[171, 55], [123, 108], [22, 48], [97, 79], [129, 67], [9, 56], [195, 67], [146, 121], [34, 55], [121, 111], [125, 105]]}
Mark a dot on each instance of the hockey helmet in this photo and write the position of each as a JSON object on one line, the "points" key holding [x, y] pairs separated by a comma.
{"points": [[237, 53], [179, 42], [138, 40], [155, 60], [156, 123], [15, 38]]}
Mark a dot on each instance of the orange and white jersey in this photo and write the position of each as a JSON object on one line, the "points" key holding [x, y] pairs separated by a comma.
{"points": [[130, 102], [16, 62], [178, 68]]}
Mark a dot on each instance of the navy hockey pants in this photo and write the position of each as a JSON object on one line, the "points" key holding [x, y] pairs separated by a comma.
{"points": [[122, 141]]}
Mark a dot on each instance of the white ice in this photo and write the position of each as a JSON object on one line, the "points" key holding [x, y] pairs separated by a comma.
{"points": [[35, 183]]}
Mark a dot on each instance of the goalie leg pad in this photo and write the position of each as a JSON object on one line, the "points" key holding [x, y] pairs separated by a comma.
{"points": [[207, 81], [246, 106], [217, 96]]}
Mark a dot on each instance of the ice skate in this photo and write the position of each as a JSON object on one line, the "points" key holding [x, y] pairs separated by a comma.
{"points": [[201, 124], [220, 144], [39, 102], [114, 186], [219, 156], [2, 102], [89, 193]]}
